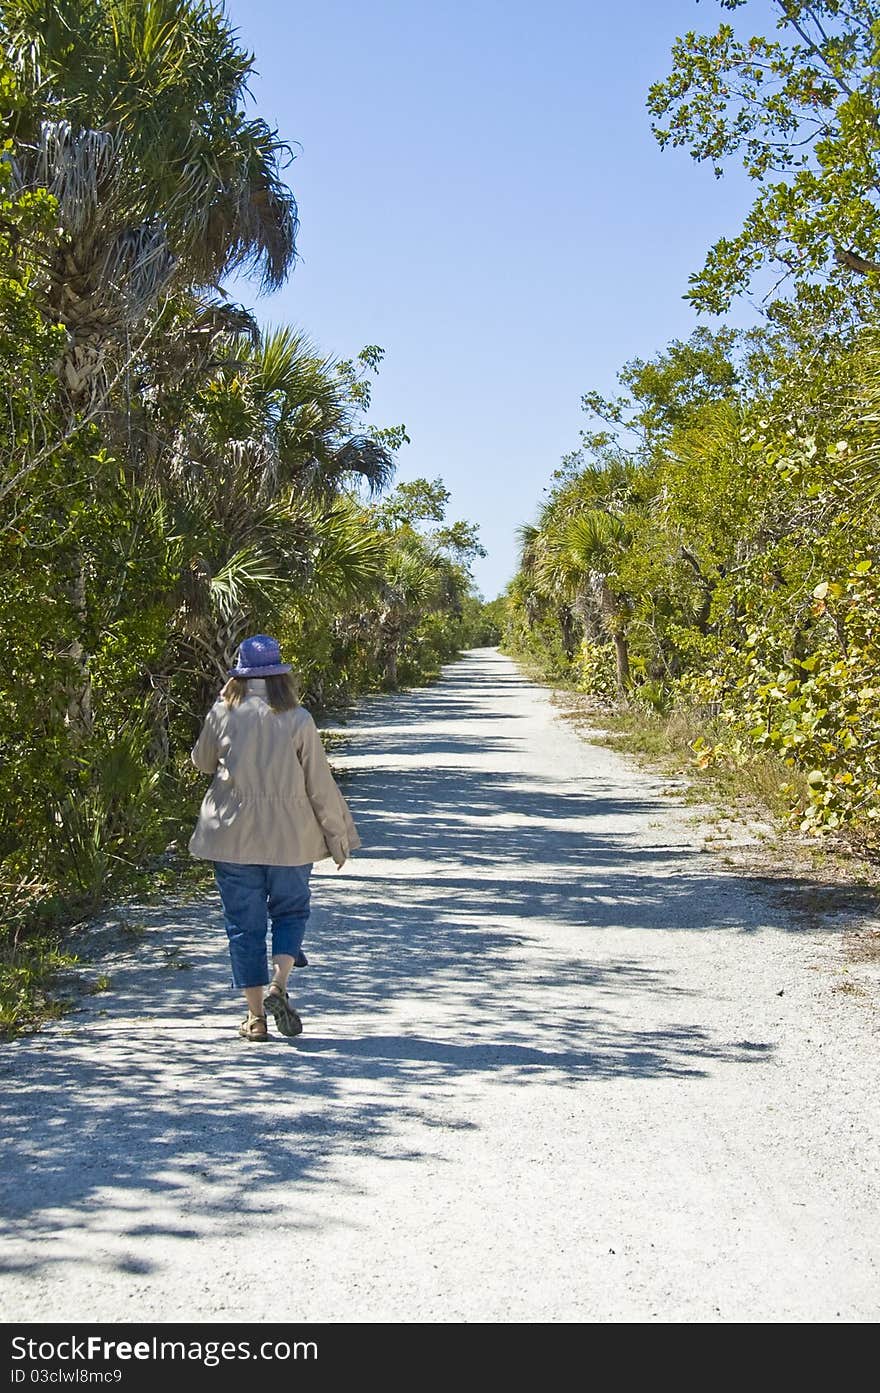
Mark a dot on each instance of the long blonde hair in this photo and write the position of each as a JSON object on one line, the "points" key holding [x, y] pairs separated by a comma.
{"points": [[280, 691]]}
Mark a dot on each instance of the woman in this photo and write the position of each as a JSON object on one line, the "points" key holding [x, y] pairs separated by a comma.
{"points": [[273, 808]]}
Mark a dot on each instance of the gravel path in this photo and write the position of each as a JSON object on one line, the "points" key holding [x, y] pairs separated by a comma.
{"points": [[560, 1064]]}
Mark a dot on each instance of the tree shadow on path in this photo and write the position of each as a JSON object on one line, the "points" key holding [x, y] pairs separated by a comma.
{"points": [[144, 1117]]}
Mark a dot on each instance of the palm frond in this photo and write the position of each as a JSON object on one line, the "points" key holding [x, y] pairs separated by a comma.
{"points": [[368, 459], [77, 167], [138, 266], [412, 577], [350, 554], [595, 539], [144, 103], [249, 574], [529, 538], [287, 362]]}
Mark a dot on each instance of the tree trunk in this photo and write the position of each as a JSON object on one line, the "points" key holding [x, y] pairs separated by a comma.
{"points": [[621, 659], [392, 631], [614, 610], [588, 615], [391, 664], [568, 626], [79, 717], [708, 588]]}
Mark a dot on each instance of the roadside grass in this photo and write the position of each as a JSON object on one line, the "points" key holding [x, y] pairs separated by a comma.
{"points": [[764, 785], [27, 970], [752, 793], [831, 883], [38, 939], [666, 741], [863, 946]]}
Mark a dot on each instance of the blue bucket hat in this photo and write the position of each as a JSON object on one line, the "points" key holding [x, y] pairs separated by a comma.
{"points": [[258, 656]]}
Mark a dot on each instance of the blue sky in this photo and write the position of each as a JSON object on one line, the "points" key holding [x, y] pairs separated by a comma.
{"points": [[481, 195]]}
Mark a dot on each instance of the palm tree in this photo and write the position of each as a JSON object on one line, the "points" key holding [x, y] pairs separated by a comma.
{"points": [[132, 116], [412, 583], [588, 553], [294, 553], [257, 488], [572, 559], [540, 584]]}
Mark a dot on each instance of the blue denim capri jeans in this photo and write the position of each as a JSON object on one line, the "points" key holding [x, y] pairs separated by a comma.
{"points": [[253, 896]]}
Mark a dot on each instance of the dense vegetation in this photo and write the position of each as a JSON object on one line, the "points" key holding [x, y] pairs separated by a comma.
{"points": [[713, 544], [172, 477]]}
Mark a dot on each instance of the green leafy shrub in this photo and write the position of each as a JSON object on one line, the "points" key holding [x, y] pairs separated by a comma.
{"points": [[594, 669]]}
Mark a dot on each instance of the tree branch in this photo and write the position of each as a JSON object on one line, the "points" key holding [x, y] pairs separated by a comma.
{"points": [[853, 262], [813, 47], [78, 426]]}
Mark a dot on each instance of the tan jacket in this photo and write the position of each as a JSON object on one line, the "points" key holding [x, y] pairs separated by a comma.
{"points": [[273, 800]]}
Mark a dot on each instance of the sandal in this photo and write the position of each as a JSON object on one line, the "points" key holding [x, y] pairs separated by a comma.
{"points": [[253, 1027], [287, 1020]]}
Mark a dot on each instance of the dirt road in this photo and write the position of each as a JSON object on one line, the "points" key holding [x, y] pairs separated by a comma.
{"points": [[560, 1063]]}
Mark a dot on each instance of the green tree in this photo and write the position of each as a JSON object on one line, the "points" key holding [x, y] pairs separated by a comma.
{"points": [[131, 113], [801, 112]]}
